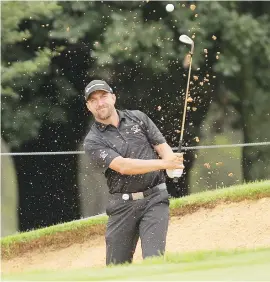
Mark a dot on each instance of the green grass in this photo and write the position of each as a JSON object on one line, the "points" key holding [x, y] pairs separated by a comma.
{"points": [[35, 234], [233, 193], [245, 265]]}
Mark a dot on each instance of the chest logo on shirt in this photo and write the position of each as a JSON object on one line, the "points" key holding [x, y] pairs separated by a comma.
{"points": [[135, 128]]}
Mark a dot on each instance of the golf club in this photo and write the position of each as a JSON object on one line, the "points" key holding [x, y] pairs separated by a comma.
{"points": [[187, 40]]}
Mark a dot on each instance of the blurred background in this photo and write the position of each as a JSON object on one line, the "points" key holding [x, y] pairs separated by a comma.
{"points": [[51, 50]]}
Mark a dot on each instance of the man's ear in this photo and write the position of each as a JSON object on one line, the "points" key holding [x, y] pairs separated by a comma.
{"points": [[88, 107], [114, 97]]}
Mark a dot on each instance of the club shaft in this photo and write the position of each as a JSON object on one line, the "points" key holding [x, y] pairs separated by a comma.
{"points": [[185, 107], [175, 179]]}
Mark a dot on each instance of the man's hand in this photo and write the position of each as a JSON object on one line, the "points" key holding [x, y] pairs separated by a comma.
{"points": [[175, 157], [171, 161], [172, 164]]}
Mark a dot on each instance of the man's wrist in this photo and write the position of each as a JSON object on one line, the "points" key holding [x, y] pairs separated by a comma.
{"points": [[163, 163], [169, 156]]}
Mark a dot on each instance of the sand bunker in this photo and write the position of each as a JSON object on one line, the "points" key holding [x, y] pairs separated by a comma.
{"points": [[231, 226]]}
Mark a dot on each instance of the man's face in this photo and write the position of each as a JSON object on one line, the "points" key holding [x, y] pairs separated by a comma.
{"points": [[101, 104]]}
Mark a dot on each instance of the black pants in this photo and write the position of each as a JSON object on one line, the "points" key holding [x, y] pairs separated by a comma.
{"points": [[130, 219]]}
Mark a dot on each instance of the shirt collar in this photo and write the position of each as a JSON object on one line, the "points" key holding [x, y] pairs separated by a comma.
{"points": [[102, 127]]}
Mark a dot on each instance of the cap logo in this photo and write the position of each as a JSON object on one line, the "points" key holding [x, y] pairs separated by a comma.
{"points": [[98, 84]]}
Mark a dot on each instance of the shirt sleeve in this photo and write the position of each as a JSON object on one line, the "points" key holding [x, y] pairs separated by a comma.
{"points": [[100, 155], [153, 133]]}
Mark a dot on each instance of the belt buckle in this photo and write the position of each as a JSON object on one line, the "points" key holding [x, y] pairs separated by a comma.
{"points": [[125, 197], [137, 196]]}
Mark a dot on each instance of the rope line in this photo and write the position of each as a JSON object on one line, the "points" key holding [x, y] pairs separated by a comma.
{"points": [[174, 148]]}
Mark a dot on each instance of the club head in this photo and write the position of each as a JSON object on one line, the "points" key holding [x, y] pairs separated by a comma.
{"points": [[187, 40]]}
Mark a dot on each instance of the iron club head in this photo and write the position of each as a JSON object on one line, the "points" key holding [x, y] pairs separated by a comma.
{"points": [[187, 40]]}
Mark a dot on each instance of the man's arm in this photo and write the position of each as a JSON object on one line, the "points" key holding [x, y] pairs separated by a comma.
{"points": [[104, 157], [136, 166], [165, 152]]}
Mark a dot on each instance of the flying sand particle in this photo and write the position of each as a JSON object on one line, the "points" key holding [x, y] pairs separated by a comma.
{"points": [[207, 165], [192, 7]]}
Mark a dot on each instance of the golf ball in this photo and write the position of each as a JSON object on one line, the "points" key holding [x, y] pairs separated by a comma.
{"points": [[169, 7]]}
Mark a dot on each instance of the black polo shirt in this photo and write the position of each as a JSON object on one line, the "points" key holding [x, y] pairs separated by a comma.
{"points": [[133, 138]]}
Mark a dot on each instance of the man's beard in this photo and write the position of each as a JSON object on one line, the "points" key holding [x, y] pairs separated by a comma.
{"points": [[105, 113]]}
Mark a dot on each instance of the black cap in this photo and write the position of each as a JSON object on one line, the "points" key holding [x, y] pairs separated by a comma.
{"points": [[95, 85]]}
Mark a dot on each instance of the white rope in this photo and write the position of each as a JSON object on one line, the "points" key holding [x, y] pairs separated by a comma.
{"points": [[226, 146], [43, 153], [174, 148]]}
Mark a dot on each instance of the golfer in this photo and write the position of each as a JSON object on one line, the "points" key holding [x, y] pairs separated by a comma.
{"points": [[128, 148]]}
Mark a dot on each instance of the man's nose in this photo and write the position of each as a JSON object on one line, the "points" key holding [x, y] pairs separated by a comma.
{"points": [[100, 102]]}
